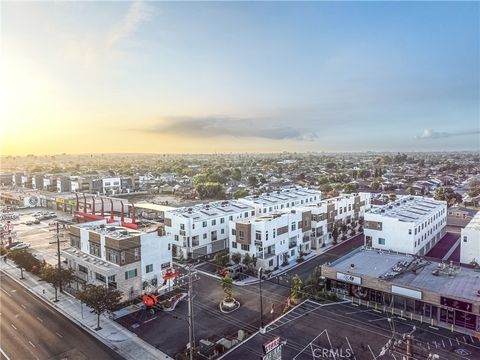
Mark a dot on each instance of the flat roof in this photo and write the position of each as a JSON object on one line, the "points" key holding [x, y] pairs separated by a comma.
{"points": [[155, 207], [474, 224], [455, 280], [409, 208], [112, 230], [211, 210], [281, 196]]}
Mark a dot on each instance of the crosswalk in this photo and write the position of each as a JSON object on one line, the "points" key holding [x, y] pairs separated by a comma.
{"points": [[297, 312]]}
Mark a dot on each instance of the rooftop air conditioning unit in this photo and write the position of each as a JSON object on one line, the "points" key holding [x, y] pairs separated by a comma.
{"points": [[102, 226], [124, 232], [111, 228]]}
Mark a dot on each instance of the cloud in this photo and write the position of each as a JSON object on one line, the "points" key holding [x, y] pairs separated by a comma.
{"points": [[229, 126], [137, 13], [94, 50], [433, 134]]}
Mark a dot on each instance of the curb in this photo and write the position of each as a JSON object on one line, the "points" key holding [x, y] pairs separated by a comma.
{"points": [[103, 340]]}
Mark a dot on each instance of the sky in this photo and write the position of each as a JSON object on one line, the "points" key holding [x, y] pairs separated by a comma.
{"points": [[160, 77]]}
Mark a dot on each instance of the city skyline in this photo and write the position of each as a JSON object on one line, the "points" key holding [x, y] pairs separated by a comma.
{"points": [[239, 77]]}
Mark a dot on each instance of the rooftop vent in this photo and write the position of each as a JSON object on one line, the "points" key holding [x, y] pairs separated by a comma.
{"points": [[111, 228], [102, 226], [124, 232], [352, 266]]}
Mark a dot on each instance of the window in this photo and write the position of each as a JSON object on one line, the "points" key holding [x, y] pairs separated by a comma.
{"points": [[193, 226], [274, 233], [381, 241], [246, 214], [234, 232], [222, 231], [409, 231], [266, 235], [130, 274], [222, 220], [205, 235], [204, 224], [149, 268], [294, 226], [292, 253], [136, 253], [176, 237], [241, 235], [464, 239], [122, 257], [234, 244], [95, 250], [165, 265], [82, 269], [270, 263], [99, 277], [214, 222], [230, 218], [112, 283], [112, 256], [252, 213], [258, 235], [245, 247], [182, 226]]}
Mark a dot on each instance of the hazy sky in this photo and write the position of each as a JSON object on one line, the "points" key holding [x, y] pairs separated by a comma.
{"points": [[81, 77]]}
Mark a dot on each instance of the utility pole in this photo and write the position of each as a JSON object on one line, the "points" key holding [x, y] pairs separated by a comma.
{"points": [[58, 257], [191, 338], [261, 298]]}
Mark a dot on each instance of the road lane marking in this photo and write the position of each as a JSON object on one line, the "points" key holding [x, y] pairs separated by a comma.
{"points": [[39, 319], [6, 292], [59, 335], [13, 326], [23, 306], [4, 354], [31, 343]]}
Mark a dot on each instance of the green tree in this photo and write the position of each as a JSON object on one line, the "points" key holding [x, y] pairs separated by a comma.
{"points": [[221, 259], [350, 187], [227, 286], [254, 261], [56, 277], [314, 285], [247, 260], [236, 258], [240, 194], [210, 190], [296, 290], [199, 179], [325, 188], [474, 187], [252, 181], [447, 194], [237, 174], [375, 185], [410, 190], [24, 260], [100, 299], [335, 234]]}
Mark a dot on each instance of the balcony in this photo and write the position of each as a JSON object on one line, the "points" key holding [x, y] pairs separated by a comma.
{"points": [[292, 244], [265, 256], [306, 239]]}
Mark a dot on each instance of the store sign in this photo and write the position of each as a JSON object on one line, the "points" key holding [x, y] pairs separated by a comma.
{"points": [[415, 294], [349, 278], [456, 304], [272, 350]]}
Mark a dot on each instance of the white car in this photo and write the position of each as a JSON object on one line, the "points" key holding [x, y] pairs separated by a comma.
{"points": [[20, 246]]}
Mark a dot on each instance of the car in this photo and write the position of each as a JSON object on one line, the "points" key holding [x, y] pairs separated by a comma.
{"points": [[36, 221], [28, 222], [9, 246], [21, 246], [53, 215]]}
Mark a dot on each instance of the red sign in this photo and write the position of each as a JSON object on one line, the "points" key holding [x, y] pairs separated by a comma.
{"points": [[271, 345]]}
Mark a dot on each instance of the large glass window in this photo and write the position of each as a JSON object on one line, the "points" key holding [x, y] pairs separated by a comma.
{"points": [[130, 274]]}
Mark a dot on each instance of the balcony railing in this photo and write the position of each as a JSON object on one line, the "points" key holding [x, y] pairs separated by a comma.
{"points": [[265, 256]]}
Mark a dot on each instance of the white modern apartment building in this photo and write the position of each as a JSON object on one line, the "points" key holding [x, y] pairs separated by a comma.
{"points": [[339, 210], [119, 257], [203, 229], [470, 241], [282, 199], [411, 225], [274, 238]]}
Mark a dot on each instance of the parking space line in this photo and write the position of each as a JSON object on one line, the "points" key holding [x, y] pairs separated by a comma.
{"points": [[33, 345], [13, 326], [39, 319], [59, 335], [6, 292]]}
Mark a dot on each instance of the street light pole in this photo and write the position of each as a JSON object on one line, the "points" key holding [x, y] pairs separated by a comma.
{"points": [[261, 298], [58, 256], [190, 313]]}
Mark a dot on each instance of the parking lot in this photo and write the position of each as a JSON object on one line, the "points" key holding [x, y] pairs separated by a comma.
{"points": [[330, 331], [42, 237]]}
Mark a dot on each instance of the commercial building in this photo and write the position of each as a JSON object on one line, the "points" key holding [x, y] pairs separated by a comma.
{"points": [[409, 286], [203, 229], [411, 224], [470, 241], [281, 199], [274, 239], [119, 257]]}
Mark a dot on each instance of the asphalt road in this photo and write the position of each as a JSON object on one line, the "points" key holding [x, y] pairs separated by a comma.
{"points": [[30, 329]]}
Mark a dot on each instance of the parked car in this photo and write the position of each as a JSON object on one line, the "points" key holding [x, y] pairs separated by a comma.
{"points": [[28, 222], [36, 221], [22, 245], [9, 246], [234, 271]]}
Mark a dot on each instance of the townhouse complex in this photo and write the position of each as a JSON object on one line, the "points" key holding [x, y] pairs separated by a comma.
{"points": [[119, 257], [470, 241], [411, 225]]}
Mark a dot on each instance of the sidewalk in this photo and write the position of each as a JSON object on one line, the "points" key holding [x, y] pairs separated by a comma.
{"points": [[125, 343]]}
